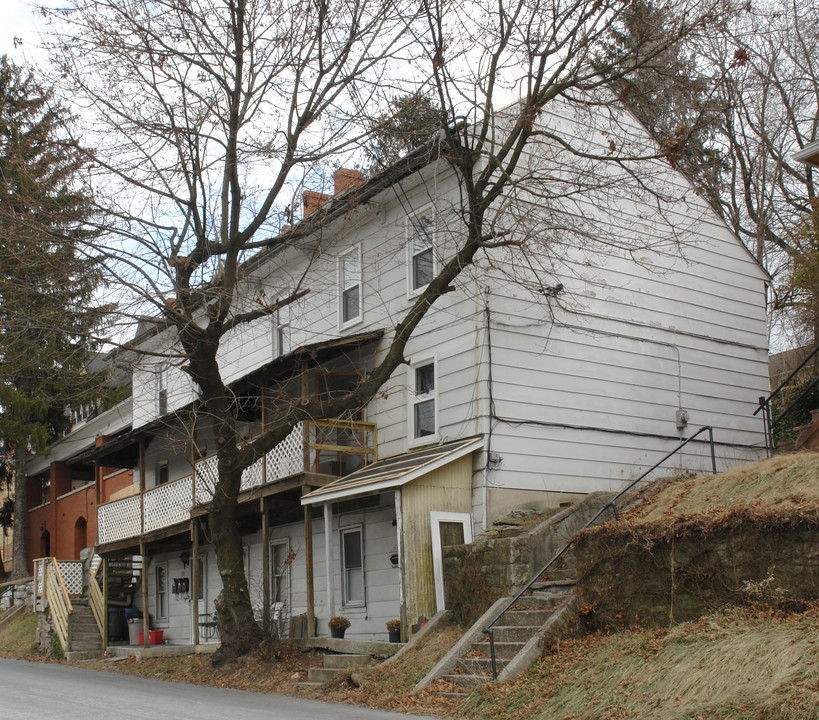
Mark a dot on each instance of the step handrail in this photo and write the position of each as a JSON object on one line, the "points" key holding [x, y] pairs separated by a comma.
{"points": [[489, 629]]}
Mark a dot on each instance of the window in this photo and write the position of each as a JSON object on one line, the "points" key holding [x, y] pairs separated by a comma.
{"points": [[162, 473], [421, 252], [350, 286], [280, 562], [353, 565], [282, 330], [162, 391], [423, 400], [161, 609]]}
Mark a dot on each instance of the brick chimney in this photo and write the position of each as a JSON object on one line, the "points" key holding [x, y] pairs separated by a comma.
{"points": [[313, 201], [344, 178]]}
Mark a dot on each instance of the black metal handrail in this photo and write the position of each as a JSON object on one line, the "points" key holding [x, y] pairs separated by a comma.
{"points": [[765, 402], [489, 629]]}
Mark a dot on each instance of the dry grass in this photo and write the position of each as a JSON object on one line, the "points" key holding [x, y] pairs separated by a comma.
{"points": [[18, 637], [387, 686], [779, 483], [729, 666]]}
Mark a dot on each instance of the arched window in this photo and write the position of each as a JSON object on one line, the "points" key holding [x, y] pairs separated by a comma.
{"points": [[80, 536]]}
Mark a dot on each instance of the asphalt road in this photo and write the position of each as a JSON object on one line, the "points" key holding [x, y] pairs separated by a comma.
{"points": [[36, 691]]}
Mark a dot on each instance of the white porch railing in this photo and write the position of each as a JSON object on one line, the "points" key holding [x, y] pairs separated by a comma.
{"points": [[171, 503]]}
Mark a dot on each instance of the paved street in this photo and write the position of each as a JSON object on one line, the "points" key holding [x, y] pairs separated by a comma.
{"points": [[34, 691]]}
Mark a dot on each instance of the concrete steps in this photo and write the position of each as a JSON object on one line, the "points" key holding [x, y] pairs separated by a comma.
{"points": [[517, 635], [336, 665]]}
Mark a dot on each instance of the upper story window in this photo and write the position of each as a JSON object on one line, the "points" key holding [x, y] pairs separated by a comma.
{"points": [[162, 473], [421, 269], [282, 330], [423, 401], [162, 390], [349, 272]]}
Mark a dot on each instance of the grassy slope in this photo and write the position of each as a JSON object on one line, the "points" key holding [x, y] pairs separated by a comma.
{"points": [[18, 637], [729, 666], [781, 482]]}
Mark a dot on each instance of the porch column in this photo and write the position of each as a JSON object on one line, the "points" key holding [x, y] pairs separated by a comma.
{"points": [[195, 579], [265, 568], [146, 638], [328, 557], [399, 531], [308, 561]]}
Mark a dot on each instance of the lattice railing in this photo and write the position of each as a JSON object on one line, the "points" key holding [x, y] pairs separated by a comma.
{"points": [[119, 519], [206, 476], [168, 504], [253, 476], [71, 572], [287, 458], [171, 503]]}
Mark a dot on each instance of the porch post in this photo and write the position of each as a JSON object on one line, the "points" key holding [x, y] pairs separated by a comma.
{"points": [[195, 579], [399, 531], [265, 568], [308, 561], [104, 562], [146, 638], [328, 557]]}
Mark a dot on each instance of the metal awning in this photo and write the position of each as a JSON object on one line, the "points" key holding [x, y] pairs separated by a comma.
{"points": [[394, 472]]}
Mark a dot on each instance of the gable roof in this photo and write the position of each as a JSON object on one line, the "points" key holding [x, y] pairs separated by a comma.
{"points": [[394, 472]]}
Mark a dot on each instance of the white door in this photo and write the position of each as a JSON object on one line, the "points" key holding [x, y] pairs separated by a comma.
{"points": [[447, 529]]}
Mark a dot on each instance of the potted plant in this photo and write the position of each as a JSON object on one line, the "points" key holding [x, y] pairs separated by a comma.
{"points": [[394, 629], [338, 624]]}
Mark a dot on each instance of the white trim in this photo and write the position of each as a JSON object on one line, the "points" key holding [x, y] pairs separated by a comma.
{"points": [[477, 444], [423, 361], [435, 519], [342, 324]]}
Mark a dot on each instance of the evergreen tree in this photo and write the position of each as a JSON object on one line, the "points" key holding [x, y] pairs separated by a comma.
{"points": [[668, 93], [47, 309]]}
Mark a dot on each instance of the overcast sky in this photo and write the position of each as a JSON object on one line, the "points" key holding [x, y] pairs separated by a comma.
{"points": [[18, 20]]}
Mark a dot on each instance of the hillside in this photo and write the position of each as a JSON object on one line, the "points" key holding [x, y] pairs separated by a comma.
{"points": [[783, 482]]}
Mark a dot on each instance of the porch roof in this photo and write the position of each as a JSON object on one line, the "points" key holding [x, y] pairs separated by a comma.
{"points": [[393, 472]]}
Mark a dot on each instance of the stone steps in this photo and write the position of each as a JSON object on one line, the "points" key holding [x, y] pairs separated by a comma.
{"points": [[336, 665]]}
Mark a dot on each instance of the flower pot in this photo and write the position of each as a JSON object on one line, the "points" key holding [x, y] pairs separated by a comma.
{"points": [[337, 632], [395, 635]]}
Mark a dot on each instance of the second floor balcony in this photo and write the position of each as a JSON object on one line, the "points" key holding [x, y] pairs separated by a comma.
{"points": [[322, 449]]}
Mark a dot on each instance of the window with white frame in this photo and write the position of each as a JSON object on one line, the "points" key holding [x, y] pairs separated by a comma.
{"points": [[162, 475], [352, 559], [282, 330], [161, 576], [423, 400], [421, 251], [162, 390], [280, 562], [349, 272]]}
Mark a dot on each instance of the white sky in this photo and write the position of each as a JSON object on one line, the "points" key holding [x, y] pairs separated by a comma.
{"points": [[18, 19]]}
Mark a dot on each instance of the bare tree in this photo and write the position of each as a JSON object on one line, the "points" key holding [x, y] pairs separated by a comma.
{"points": [[209, 116], [766, 73]]}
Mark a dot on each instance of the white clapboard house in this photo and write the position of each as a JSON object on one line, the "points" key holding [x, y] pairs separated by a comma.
{"points": [[533, 382]]}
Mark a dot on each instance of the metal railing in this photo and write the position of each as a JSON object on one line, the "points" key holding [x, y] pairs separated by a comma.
{"points": [[489, 629], [765, 402]]}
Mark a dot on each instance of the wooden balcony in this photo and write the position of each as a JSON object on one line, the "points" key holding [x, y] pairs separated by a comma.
{"points": [[330, 448]]}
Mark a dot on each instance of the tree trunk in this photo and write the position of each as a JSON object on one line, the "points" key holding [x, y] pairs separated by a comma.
{"points": [[20, 565], [237, 624]]}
